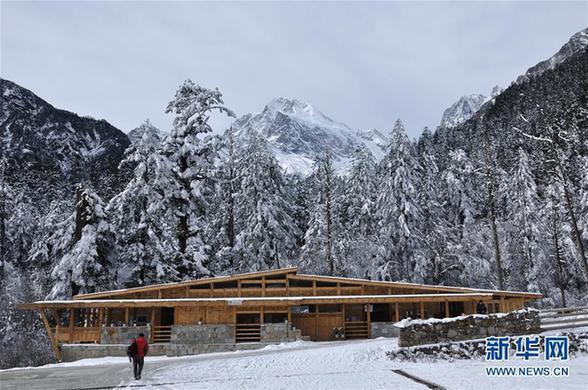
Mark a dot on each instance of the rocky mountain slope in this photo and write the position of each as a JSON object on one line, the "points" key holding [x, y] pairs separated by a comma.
{"points": [[45, 146]]}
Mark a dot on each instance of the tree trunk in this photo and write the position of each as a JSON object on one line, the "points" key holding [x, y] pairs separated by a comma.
{"points": [[183, 233], [570, 209], [557, 254], [490, 186]]}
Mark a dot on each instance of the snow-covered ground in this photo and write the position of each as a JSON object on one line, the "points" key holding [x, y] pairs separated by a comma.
{"points": [[338, 365]]}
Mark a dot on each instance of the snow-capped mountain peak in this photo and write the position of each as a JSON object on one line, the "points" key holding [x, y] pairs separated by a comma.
{"points": [[297, 132]]}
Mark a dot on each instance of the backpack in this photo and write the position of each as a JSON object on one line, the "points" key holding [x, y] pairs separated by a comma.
{"points": [[132, 350]]}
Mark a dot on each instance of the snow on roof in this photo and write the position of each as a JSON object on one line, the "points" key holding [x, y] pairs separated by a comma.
{"points": [[236, 300]]}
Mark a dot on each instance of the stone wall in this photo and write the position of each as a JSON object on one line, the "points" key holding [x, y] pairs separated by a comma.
{"points": [[433, 331], [122, 334], [383, 329], [279, 332], [71, 352], [202, 334]]}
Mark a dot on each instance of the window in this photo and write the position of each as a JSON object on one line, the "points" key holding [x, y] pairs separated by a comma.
{"points": [[302, 309], [275, 318], [329, 308], [380, 312]]}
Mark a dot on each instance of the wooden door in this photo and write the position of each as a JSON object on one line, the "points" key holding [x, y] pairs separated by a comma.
{"points": [[325, 324], [306, 323]]}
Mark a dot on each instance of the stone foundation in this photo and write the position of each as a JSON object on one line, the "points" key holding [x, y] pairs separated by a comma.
{"points": [[433, 331], [383, 329], [185, 340], [123, 334], [202, 334], [72, 352], [279, 332]]}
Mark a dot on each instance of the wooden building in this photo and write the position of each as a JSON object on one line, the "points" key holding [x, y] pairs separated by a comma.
{"points": [[311, 305]]}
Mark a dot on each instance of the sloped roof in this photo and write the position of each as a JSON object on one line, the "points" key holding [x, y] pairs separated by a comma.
{"points": [[292, 274]]}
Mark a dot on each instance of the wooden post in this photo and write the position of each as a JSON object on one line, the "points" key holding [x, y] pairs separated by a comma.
{"points": [[187, 291], [126, 316], [316, 321], [446, 309], [473, 307], [159, 294], [261, 315], [290, 315], [54, 344], [71, 324], [338, 288], [287, 286], [263, 286], [397, 309], [369, 320], [314, 287], [101, 317], [152, 324], [422, 311], [212, 290], [502, 305], [239, 287], [56, 316]]}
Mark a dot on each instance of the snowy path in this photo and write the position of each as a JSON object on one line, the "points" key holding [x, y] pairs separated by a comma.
{"points": [[302, 365]]}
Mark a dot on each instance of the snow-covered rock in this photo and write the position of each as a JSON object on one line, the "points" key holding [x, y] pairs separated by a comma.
{"points": [[297, 132], [577, 42], [462, 110]]}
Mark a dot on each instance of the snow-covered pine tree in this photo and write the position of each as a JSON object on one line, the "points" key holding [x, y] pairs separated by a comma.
{"points": [[6, 197], [490, 173], [268, 233], [468, 241], [399, 214], [359, 215], [558, 266], [320, 253], [188, 172], [222, 228], [138, 217], [523, 250], [436, 265], [583, 199], [81, 246]]}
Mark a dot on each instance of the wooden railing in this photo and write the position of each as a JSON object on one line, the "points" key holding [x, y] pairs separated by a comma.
{"points": [[247, 333], [562, 318], [79, 335], [356, 330], [161, 334]]}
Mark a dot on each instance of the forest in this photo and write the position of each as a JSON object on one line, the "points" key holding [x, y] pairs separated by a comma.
{"points": [[499, 202]]}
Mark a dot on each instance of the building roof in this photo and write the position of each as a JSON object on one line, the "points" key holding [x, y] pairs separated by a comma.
{"points": [[291, 273]]}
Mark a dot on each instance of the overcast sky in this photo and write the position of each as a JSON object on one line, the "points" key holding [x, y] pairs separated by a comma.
{"points": [[364, 64]]}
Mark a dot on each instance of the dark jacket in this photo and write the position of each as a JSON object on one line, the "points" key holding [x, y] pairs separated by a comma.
{"points": [[132, 350]]}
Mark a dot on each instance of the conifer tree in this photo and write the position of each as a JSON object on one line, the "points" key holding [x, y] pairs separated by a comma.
{"points": [[81, 246], [268, 233], [188, 171], [398, 212]]}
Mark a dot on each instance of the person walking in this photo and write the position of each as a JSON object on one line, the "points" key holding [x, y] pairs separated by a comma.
{"points": [[137, 352]]}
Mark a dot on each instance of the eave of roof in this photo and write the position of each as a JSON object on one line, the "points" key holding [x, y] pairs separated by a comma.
{"points": [[256, 301]]}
